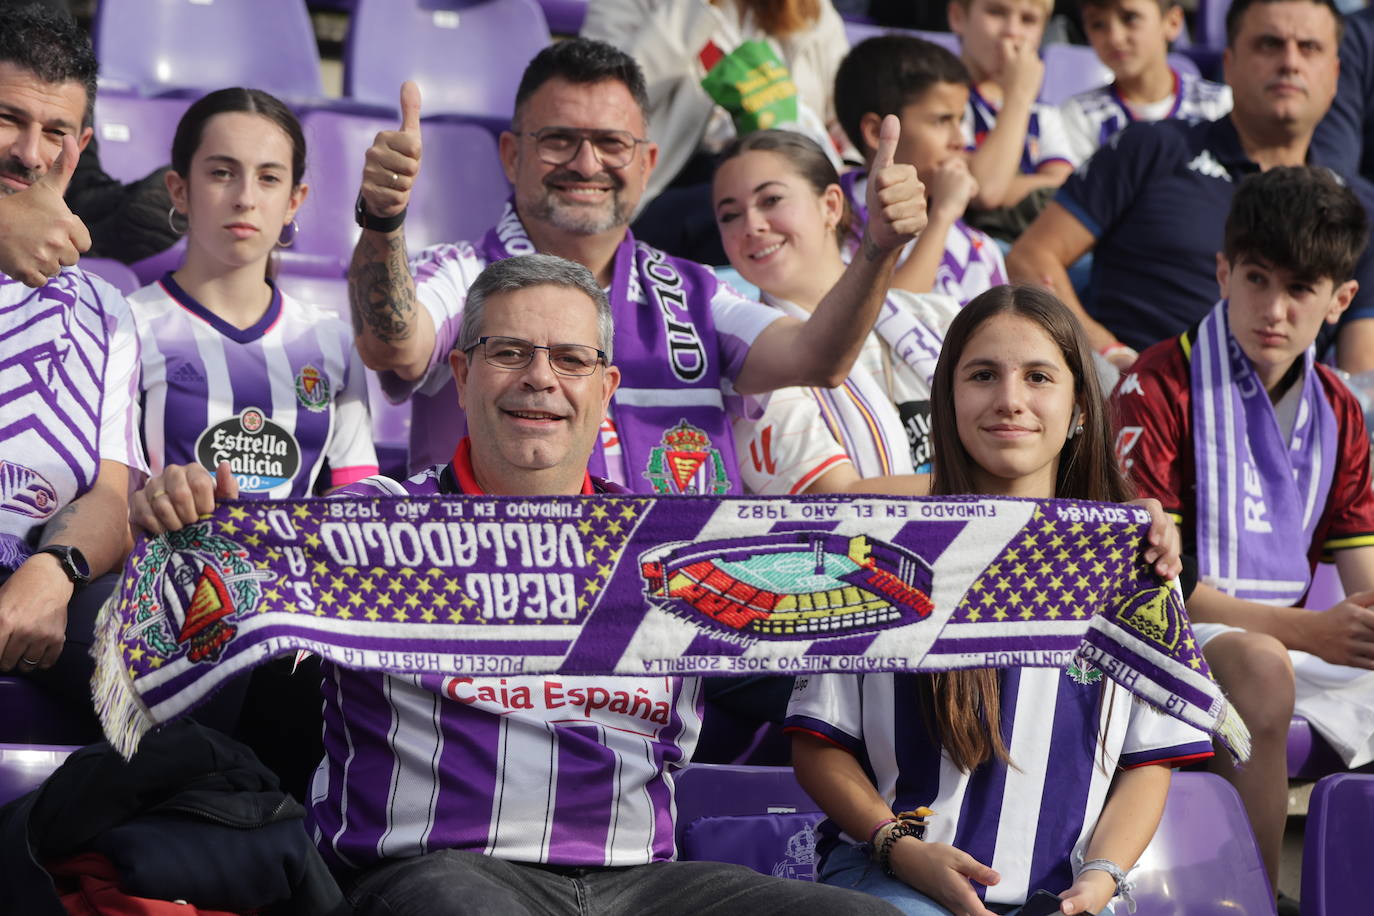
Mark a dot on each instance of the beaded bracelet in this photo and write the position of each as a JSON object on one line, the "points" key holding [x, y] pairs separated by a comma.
{"points": [[883, 855], [906, 823]]}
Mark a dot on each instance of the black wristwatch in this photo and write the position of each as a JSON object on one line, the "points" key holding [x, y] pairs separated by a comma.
{"points": [[376, 223], [73, 563]]}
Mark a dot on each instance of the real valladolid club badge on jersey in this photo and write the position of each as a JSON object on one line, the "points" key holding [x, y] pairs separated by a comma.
{"points": [[686, 463], [188, 589], [312, 389], [780, 586], [262, 454]]}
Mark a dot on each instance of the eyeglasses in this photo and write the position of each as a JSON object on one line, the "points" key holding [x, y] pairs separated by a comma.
{"points": [[614, 149], [514, 353]]}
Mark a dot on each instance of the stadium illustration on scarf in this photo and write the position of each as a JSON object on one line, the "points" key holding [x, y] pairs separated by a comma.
{"points": [[454, 586]]}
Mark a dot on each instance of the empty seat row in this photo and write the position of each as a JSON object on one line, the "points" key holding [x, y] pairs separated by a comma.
{"points": [[467, 56]]}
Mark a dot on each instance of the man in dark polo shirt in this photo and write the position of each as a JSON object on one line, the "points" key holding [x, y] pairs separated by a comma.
{"points": [[1345, 137], [1152, 203]]}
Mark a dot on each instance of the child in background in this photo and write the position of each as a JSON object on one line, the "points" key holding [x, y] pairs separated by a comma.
{"points": [[1017, 143], [1132, 37], [927, 88]]}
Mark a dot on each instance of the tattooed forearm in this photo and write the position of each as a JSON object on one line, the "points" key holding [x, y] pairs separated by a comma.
{"points": [[871, 250], [54, 531], [96, 522], [381, 291]]}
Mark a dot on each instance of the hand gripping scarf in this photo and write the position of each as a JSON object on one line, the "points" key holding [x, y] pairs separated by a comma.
{"points": [[672, 425], [641, 585]]}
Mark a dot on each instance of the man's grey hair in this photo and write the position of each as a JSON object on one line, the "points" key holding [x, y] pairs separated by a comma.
{"points": [[514, 274]]}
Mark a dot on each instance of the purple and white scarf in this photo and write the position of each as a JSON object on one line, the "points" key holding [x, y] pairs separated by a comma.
{"points": [[1259, 497], [672, 424], [460, 585]]}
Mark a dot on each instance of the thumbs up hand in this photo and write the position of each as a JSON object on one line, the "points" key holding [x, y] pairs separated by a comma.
{"points": [[896, 198], [39, 235], [392, 162]]}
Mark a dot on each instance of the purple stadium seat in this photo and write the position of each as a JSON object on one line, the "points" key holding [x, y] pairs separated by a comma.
{"points": [[1211, 24], [1336, 855], [749, 815], [460, 193], [161, 45], [23, 767], [1203, 860], [154, 266], [116, 274], [1070, 69], [327, 292], [1309, 754], [466, 56], [858, 31], [135, 133], [33, 716], [564, 16]]}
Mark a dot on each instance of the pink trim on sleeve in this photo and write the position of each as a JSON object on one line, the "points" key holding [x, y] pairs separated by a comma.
{"points": [[342, 477]]}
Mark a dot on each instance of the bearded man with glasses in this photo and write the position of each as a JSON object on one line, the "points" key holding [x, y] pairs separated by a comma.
{"points": [[692, 350]]}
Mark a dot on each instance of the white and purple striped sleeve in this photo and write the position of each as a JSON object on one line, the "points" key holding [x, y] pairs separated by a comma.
{"points": [[119, 414], [829, 707], [1153, 737]]}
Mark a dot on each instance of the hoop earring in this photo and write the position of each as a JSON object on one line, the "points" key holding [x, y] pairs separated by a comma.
{"points": [[287, 237], [171, 221]]}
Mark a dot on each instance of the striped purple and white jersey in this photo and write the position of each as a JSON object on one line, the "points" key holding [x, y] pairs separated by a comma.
{"points": [[1066, 739], [1092, 118], [443, 274], [276, 400], [559, 770], [69, 373], [1046, 141]]}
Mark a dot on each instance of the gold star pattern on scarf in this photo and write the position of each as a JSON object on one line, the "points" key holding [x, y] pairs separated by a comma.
{"points": [[1054, 569]]}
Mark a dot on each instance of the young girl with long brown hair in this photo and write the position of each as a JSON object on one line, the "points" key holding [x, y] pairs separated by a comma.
{"points": [[1041, 778]]}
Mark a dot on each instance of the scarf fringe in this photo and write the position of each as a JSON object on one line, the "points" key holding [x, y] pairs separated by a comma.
{"points": [[1233, 734], [123, 716]]}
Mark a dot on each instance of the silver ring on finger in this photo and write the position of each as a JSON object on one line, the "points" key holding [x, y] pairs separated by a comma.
{"points": [[395, 181], [25, 660]]}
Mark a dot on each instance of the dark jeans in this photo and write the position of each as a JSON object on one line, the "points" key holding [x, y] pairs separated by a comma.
{"points": [[450, 882]]}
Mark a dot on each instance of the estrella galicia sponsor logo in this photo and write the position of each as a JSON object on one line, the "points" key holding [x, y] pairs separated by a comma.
{"points": [[262, 454]]}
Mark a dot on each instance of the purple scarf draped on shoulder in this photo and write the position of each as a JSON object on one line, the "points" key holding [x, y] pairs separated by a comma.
{"points": [[1259, 496], [669, 410]]}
